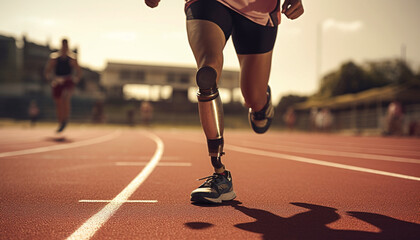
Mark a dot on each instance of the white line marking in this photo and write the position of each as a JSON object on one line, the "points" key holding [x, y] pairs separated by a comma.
{"points": [[318, 162], [109, 157], [142, 158], [345, 146], [333, 153], [89, 228], [161, 164], [62, 147], [125, 201], [309, 160]]}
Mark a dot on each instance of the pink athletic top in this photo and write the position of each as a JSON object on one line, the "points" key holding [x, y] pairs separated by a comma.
{"points": [[263, 12]]}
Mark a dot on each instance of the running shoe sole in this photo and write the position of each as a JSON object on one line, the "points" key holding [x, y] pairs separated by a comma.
{"points": [[223, 197]]}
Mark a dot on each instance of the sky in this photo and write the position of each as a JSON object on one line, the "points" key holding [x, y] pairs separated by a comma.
{"points": [[129, 31]]}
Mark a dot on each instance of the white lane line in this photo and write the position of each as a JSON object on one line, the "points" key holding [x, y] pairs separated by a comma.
{"points": [[161, 164], [362, 146], [125, 201], [93, 224], [109, 157], [318, 162], [333, 153], [62, 147], [308, 160], [140, 158]]}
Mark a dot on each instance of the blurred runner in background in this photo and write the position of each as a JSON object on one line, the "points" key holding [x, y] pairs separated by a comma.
{"points": [[63, 72]]}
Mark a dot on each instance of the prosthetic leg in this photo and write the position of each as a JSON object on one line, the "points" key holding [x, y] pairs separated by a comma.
{"points": [[211, 113]]}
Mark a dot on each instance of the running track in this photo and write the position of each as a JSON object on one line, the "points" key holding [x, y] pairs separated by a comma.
{"points": [[122, 183]]}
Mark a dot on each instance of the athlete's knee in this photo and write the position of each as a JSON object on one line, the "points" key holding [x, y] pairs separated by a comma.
{"points": [[254, 101], [206, 80], [256, 106]]}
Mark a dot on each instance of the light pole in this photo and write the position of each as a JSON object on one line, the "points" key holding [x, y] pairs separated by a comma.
{"points": [[319, 32]]}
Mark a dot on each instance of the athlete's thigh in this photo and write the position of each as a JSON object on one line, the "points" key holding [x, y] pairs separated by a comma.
{"points": [[208, 27], [206, 40], [255, 73], [212, 11], [251, 38]]}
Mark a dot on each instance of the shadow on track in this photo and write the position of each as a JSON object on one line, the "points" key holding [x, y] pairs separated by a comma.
{"points": [[198, 225], [59, 139], [312, 224]]}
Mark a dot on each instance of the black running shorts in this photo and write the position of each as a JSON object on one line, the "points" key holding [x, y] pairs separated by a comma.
{"points": [[248, 37]]}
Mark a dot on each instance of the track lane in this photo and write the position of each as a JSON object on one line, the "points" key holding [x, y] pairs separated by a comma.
{"points": [[94, 223], [279, 198], [43, 194], [392, 146], [17, 139], [270, 190]]}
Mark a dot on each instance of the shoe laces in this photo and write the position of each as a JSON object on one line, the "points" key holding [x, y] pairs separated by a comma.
{"points": [[259, 115], [262, 114], [209, 179]]}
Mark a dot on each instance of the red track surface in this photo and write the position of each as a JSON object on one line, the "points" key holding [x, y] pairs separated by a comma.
{"points": [[280, 196]]}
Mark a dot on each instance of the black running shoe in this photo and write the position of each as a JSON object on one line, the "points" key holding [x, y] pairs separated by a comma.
{"points": [[260, 121], [62, 126], [215, 189]]}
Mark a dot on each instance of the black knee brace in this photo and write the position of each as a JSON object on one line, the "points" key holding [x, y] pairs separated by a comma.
{"points": [[210, 109]]}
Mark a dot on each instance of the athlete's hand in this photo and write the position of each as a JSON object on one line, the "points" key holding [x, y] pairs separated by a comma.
{"points": [[292, 8], [57, 81], [53, 83], [152, 3]]}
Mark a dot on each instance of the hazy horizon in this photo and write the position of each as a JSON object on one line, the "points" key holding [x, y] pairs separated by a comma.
{"points": [[129, 31]]}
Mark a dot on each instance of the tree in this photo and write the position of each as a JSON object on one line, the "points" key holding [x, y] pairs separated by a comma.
{"points": [[351, 78], [389, 72]]}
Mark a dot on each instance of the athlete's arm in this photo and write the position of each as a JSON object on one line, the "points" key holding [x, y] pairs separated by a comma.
{"points": [[292, 8], [152, 3]]}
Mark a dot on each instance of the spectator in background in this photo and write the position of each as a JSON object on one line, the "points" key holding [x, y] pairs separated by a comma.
{"points": [[312, 118], [146, 113], [98, 114], [130, 117], [290, 118], [324, 120], [33, 112], [394, 118], [63, 72]]}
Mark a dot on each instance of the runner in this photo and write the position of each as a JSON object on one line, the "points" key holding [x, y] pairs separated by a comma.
{"points": [[59, 72], [253, 27]]}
